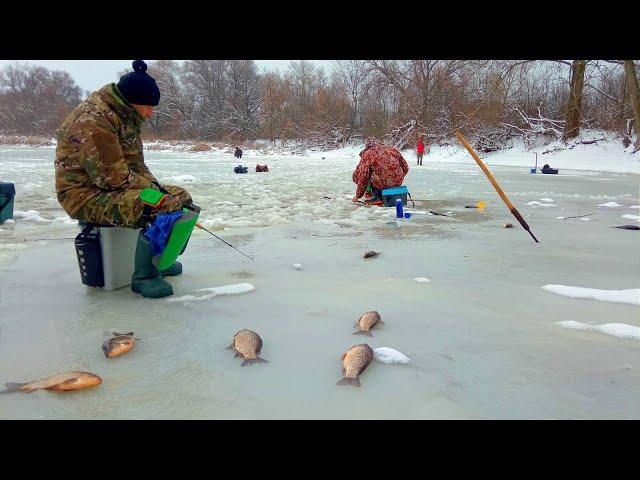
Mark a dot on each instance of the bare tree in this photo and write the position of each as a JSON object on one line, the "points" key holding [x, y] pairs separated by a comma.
{"points": [[353, 74], [632, 82], [35, 100], [573, 116]]}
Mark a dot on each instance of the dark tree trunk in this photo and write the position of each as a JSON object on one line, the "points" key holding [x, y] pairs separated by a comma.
{"points": [[632, 82], [572, 124]]}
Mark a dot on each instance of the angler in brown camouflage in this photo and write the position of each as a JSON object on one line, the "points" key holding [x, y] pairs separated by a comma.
{"points": [[99, 165]]}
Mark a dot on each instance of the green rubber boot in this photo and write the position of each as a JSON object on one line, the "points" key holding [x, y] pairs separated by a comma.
{"points": [[173, 270], [146, 279]]}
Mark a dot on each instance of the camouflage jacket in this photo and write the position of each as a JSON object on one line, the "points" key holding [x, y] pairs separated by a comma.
{"points": [[383, 166], [99, 150]]}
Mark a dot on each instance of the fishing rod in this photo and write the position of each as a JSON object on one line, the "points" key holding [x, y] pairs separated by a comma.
{"points": [[493, 181], [202, 228]]}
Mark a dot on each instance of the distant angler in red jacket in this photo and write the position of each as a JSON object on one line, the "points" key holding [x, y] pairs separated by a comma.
{"points": [[380, 165], [420, 150]]}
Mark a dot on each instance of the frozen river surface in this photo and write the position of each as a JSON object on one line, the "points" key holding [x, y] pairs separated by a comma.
{"points": [[484, 338]]}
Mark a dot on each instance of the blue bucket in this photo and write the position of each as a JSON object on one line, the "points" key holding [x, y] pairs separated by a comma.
{"points": [[533, 170]]}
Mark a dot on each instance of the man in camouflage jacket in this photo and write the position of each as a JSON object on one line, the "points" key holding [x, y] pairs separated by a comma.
{"points": [[99, 165]]}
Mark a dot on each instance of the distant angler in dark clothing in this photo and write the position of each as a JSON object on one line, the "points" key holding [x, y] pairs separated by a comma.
{"points": [[238, 153]]}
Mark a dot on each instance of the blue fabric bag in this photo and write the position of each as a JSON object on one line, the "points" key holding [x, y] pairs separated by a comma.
{"points": [[159, 232]]}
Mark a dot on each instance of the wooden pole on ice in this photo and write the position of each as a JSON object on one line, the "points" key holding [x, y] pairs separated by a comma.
{"points": [[504, 198]]}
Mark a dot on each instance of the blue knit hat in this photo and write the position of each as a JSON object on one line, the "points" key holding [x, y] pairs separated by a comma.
{"points": [[138, 87]]}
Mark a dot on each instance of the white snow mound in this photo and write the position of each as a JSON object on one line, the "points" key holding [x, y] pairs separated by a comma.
{"points": [[610, 204], [421, 280], [620, 330], [631, 296]]}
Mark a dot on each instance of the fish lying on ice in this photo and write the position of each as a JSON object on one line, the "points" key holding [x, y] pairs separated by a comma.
{"points": [[354, 362], [366, 322], [62, 382], [247, 344], [118, 345]]}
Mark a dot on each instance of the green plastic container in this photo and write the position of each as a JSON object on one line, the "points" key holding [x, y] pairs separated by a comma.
{"points": [[180, 233], [7, 194]]}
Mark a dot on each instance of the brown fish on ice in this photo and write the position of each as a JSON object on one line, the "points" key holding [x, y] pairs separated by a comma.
{"points": [[247, 344], [370, 254], [63, 382], [366, 322], [354, 362], [121, 343]]}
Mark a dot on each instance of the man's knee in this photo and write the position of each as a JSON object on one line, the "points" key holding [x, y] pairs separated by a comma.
{"points": [[123, 209]]}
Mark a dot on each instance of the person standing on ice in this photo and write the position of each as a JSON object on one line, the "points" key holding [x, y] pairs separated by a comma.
{"points": [[381, 167], [100, 170], [420, 150]]}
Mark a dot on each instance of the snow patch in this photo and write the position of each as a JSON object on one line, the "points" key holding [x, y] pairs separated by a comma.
{"points": [[13, 246], [534, 202], [610, 204], [620, 330], [390, 356], [235, 289], [421, 280], [297, 266], [65, 220], [631, 296], [9, 221], [30, 216], [546, 200], [184, 178], [634, 206], [631, 217]]}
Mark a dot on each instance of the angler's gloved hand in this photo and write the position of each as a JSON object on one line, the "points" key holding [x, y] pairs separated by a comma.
{"points": [[169, 204]]}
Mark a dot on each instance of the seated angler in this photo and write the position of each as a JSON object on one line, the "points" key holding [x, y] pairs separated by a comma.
{"points": [[380, 167], [101, 175]]}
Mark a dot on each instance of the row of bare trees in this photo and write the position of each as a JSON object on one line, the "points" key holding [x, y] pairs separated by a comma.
{"points": [[34, 100], [490, 100]]}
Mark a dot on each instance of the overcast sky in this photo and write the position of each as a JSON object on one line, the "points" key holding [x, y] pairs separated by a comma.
{"points": [[93, 74]]}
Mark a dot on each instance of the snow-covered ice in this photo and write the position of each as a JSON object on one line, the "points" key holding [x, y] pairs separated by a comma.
{"points": [[422, 279], [610, 204], [535, 202], [621, 330], [631, 217], [486, 278], [631, 295], [546, 200], [390, 355]]}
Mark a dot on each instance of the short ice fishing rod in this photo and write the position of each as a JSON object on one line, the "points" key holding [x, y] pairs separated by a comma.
{"points": [[504, 198], [199, 225]]}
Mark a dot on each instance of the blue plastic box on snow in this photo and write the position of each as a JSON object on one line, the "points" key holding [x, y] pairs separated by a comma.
{"points": [[389, 196], [7, 194]]}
